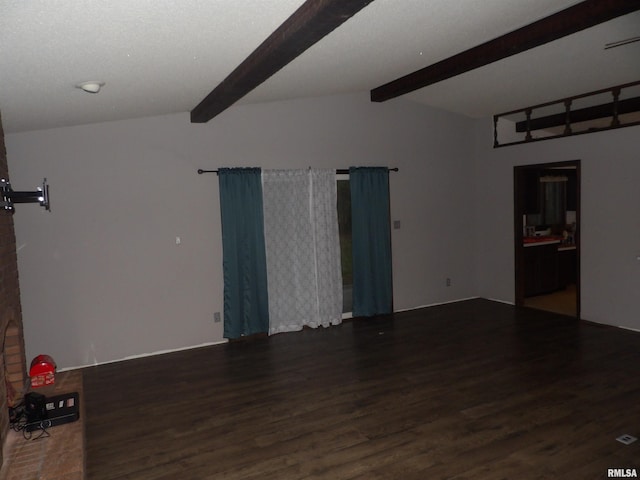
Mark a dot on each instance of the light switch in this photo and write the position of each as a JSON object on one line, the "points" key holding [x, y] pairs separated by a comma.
{"points": [[396, 224], [178, 240]]}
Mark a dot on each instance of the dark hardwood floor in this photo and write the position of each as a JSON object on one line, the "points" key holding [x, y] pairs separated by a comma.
{"points": [[470, 390]]}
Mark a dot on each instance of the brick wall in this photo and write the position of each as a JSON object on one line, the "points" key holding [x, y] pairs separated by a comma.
{"points": [[12, 361]]}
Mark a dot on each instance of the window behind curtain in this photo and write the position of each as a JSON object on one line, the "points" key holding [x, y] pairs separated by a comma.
{"points": [[344, 224]]}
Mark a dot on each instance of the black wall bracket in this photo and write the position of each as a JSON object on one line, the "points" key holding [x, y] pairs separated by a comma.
{"points": [[9, 196]]}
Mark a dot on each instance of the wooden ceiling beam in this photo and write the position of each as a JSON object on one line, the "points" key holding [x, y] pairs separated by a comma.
{"points": [[309, 24], [579, 17]]}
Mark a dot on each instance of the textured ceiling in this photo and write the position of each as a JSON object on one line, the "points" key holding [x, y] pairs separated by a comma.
{"points": [[165, 56]]}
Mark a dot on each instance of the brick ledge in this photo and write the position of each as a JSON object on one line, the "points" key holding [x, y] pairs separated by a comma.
{"points": [[61, 456]]}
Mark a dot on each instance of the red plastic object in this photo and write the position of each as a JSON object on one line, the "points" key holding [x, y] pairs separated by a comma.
{"points": [[42, 371]]}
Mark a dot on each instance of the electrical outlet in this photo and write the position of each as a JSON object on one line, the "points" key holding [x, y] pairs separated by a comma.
{"points": [[448, 282], [216, 317]]}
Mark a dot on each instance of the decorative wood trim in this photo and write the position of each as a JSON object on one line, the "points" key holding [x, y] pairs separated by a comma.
{"points": [[309, 24], [568, 117], [566, 22], [615, 121]]}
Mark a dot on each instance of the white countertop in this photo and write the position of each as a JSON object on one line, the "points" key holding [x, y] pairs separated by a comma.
{"points": [[537, 244]]}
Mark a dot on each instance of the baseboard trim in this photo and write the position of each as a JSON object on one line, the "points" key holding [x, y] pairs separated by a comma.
{"points": [[142, 355], [208, 344], [436, 304], [502, 301]]}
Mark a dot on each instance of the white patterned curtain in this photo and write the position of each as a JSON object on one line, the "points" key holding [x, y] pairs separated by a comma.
{"points": [[303, 249], [327, 242]]}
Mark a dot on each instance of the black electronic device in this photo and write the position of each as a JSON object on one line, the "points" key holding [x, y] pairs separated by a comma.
{"points": [[58, 410], [34, 407]]}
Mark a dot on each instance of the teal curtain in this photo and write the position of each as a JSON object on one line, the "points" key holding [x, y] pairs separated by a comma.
{"points": [[371, 240], [246, 308]]}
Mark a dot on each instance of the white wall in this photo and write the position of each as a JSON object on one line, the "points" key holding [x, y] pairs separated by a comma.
{"points": [[101, 276], [610, 224]]}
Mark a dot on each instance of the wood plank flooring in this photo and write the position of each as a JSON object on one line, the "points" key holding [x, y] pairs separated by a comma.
{"points": [[562, 301], [470, 390]]}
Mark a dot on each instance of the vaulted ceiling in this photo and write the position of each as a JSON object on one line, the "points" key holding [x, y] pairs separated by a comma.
{"points": [[163, 56]]}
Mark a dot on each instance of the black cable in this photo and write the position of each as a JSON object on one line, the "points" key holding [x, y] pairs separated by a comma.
{"points": [[43, 431], [18, 423]]}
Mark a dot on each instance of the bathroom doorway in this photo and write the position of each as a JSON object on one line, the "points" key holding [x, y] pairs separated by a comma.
{"points": [[547, 237]]}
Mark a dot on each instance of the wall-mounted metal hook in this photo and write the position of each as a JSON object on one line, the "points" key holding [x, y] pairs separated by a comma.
{"points": [[9, 196]]}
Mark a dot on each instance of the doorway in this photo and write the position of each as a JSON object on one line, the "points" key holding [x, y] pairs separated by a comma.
{"points": [[547, 237]]}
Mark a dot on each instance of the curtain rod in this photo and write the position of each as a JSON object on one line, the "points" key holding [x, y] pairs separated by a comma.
{"points": [[339, 171]]}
